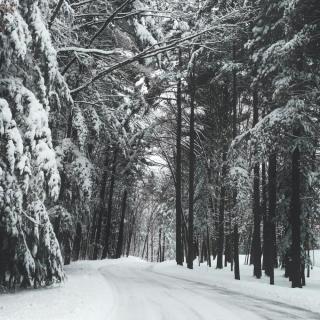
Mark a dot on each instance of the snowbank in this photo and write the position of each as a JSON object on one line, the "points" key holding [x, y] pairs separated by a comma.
{"points": [[308, 297], [84, 294]]}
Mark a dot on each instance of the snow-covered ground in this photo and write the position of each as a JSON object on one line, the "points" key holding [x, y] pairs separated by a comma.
{"points": [[129, 288], [84, 295]]}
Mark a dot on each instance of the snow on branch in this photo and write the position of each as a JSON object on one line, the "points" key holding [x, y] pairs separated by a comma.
{"points": [[107, 22], [153, 50], [94, 51]]}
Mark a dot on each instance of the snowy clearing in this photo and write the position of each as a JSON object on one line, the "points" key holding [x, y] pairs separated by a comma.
{"points": [[130, 288]]}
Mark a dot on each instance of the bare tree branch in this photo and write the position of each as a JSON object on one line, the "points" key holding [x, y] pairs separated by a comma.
{"points": [[78, 4], [93, 51], [55, 13], [107, 22], [149, 52]]}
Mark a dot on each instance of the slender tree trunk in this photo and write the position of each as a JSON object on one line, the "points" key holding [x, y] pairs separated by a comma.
{"points": [[308, 266], [236, 253], [151, 245], [163, 246], [272, 186], [303, 275], [257, 219], [67, 248], [159, 246], [77, 242], [147, 247], [251, 251], [208, 247], [136, 244], [248, 248], [101, 208], [201, 249], [226, 250], [308, 245], [234, 196], [109, 209], [185, 242], [179, 248], [295, 211], [191, 176], [221, 211], [120, 237], [256, 203], [264, 217], [211, 248], [130, 233], [144, 246]]}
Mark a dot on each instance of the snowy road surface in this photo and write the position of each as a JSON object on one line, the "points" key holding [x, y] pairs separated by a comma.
{"points": [[142, 293], [132, 289]]}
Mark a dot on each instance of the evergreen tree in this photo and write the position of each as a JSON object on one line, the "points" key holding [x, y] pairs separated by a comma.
{"points": [[30, 84]]}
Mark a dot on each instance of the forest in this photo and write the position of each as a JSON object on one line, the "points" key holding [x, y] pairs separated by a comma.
{"points": [[166, 130]]}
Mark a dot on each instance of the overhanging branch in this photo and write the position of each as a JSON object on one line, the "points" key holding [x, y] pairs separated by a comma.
{"points": [[107, 22], [149, 52]]}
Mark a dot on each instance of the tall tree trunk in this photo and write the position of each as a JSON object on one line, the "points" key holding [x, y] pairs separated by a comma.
{"points": [[208, 247], [144, 246], [234, 134], [130, 233], [77, 242], [236, 252], [221, 211], [101, 208], [227, 247], [179, 248], [295, 213], [191, 175], [271, 238], [147, 247], [120, 236], [211, 248], [159, 247], [109, 209], [308, 244], [256, 203], [163, 246], [151, 245], [248, 247], [264, 219]]}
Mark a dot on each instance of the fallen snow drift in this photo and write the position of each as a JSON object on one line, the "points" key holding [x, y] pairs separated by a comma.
{"points": [[85, 295]]}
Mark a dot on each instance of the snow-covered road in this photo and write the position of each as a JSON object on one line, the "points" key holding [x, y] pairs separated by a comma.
{"points": [[130, 289], [143, 293]]}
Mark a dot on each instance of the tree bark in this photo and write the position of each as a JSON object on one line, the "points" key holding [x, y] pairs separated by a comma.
{"points": [[77, 242], [221, 211], [120, 236], [163, 246], [159, 247], [256, 203], [109, 209], [271, 238], [101, 208], [295, 213], [236, 252], [234, 134], [130, 233], [264, 218], [191, 175], [179, 249], [208, 247]]}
